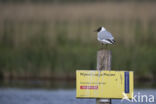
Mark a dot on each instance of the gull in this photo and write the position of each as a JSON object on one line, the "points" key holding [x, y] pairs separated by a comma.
{"points": [[104, 37]]}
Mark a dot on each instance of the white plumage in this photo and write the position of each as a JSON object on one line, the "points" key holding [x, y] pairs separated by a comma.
{"points": [[104, 36]]}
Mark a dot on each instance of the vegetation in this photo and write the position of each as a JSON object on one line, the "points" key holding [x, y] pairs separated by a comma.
{"points": [[39, 40]]}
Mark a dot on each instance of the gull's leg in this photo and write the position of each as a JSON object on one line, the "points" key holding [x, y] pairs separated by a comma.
{"points": [[101, 46], [106, 46]]}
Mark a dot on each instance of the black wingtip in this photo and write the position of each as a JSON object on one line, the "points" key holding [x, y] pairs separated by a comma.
{"points": [[111, 41], [114, 41]]}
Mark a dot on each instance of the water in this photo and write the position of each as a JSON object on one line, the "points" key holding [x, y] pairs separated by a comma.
{"points": [[59, 96]]}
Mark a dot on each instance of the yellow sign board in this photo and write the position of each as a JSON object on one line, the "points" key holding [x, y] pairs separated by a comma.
{"points": [[104, 84]]}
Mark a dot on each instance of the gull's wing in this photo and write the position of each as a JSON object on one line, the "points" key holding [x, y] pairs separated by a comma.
{"points": [[109, 35], [105, 35]]}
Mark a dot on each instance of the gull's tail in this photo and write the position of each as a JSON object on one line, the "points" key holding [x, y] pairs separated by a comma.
{"points": [[112, 41]]}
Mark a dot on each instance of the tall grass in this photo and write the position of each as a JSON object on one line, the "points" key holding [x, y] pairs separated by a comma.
{"points": [[39, 40]]}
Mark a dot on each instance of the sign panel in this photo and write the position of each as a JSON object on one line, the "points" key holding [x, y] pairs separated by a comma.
{"points": [[104, 84]]}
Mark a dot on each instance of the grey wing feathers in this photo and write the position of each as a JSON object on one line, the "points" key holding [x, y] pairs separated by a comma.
{"points": [[108, 35], [105, 35]]}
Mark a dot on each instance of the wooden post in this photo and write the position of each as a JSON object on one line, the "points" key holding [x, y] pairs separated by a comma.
{"points": [[103, 63]]}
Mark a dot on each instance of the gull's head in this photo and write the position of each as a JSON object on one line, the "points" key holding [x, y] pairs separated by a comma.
{"points": [[100, 29]]}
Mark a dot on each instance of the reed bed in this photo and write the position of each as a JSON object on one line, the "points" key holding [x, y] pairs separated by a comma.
{"points": [[39, 40]]}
